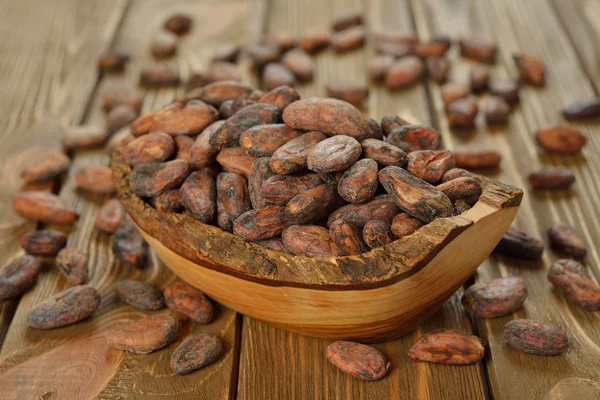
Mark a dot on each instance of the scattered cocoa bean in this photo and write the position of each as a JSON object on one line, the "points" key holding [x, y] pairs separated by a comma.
{"points": [[227, 52], [73, 265], [551, 178], [495, 298], [129, 246], [202, 152], [300, 63], [144, 336], [353, 93], [438, 69], [217, 92], [263, 51], [169, 201], [159, 76], [480, 78], [257, 114], [507, 88], [235, 159], [195, 352], [478, 49], [275, 75], [150, 180], [119, 117], [474, 159], [465, 188], [44, 207], [113, 60], [285, 40], [189, 301], [453, 91], [261, 223], [560, 139], [359, 183], [164, 44], [397, 50], [280, 189], [448, 346], [18, 276], [199, 195], [347, 21], [292, 157], [436, 47], [414, 137], [565, 239], [377, 234], [531, 70], [379, 65], [496, 111], [312, 205], [64, 308], [95, 179], [45, 243], [123, 97], [348, 39], [517, 243], [110, 216], [176, 119], [140, 294], [381, 208], [539, 338], [462, 113], [46, 168], [429, 165], [582, 109], [84, 137], [223, 71], [232, 199], [396, 36], [196, 80], [263, 140], [314, 40], [404, 225], [348, 238], [405, 72], [309, 241], [574, 282], [334, 154], [179, 24], [359, 360]]}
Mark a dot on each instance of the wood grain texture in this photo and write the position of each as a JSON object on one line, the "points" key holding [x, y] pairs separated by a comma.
{"points": [[530, 27], [297, 364], [80, 350]]}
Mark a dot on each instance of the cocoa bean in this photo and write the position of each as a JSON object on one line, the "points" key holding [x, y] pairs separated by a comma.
{"points": [[478, 49], [169, 201], [95, 179], [300, 63], [377, 234], [405, 72], [85, 137], [379, 65], [199, 195], [359, 360], [330, 116], [415, 196], [517, 243], [263, 51], [229, 107], [150, 180], [531, 70], [332, 178], [462, 113], [45, 243], [140, 294], [263, 140], [448, 346], [145, 335], [381, 208], [507, 89], [196, 80], [433, 48], [453, 91], [496, 111], [261, 223], [314, 40], [73, 265], [414, 137], [348, 39], [179, 24], [495, 298], [353, 93], [359, 183], [123, 135], [309, 241], [573, 281], [375, 130], [275, 75], [348, 238], [396, 36], [292, 157], [257, 114], [176, 119], [480, 78], [195, 352], [582, 109], [119, 117], [110, 216], [227, 52], [334, 154], [551, 178], [18, 276], [153, 147], [235, 159], [465, 188], [564, 238], [312, 204], [347, 21], [232, 199], [44, 207], [429, 165], [404, 225], [223, 71], [64, 308], [183, 147], [438, 69], [46, 169], [129, 246], [164, 44], [539, 338], [285, 40], [397, 50], [113, 60], [280, 97], [560, 139], [259, 173], [123, 97], [391, 122], [454, 173], [474, 159], [189, 301], [275, 244], [159, 76], [202, 152], [217, 92], [280, 189]]}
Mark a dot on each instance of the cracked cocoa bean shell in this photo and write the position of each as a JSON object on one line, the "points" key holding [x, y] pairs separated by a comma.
{"points": [[262, 223], [129, 246], [195, 352], [334, 154], [110, 216], [279, 189], [73, 265], [381, 207], [44, 207], [377, 234], [199, 195], [263, 140], [429, 165], [64, 308], [348, 238], [18, 276], [232, 199], [359, 183], [448, 346], [539, 338], [46, 168], [153, 147], [495, 298], [150, 180], [140, 294], [359, 360], [189, 301], [309, 241], [517, 243], [574, 282], [257, 114], [565, 239], [292, 157], [45, 243], [145, 335]]}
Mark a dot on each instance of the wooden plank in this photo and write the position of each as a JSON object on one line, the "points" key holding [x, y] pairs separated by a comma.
{"points": [[47, 360], [47, 73], [534, 28], [297, 364]]}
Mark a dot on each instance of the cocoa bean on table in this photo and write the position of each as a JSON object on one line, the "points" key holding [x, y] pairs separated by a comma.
{"points": [[95, 179], [582, 109], [226, 52], [518, 244], [314, 40], [46, 168], [85, 137], [64, 308], [263, 51], [140, 294], [223, 71], [565, 239], [353, 93], [453, 91], [144, 336], [478, 49], [179, 24], [405, 72], [348, 39], [44, 207], [159, 76], [73, 265], [189, 301], [359, 360], [195, 352], [495, 298], [462, 113], [164, 44], [18, 276], [496, 111], [551, 178], [480, 77], [438, 69], [46, 242], [113, 60], [216, 93], [379, 65], [560, 139], [346, 21], [300, 63], [123, 96], [129, 246], [448, 346], [275, 75], [531, 70], [539, 338], [110, 216], [574, 282]]}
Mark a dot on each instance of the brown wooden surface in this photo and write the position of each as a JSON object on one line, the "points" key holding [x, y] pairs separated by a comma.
{"points": [[47, 79]]}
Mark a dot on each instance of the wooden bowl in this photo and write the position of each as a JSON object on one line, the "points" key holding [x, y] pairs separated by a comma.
{"points": [[373, 297]]}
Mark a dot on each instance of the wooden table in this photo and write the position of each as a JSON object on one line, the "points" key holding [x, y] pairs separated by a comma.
{"points": [[48, 80]]}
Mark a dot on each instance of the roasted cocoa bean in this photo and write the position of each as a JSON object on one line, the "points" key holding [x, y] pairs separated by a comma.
{"points": [[438, 69], [454, 173], [18, 276], [159, 76], [140, 294], [45, 243], [379, 65], [375, 130], [478, 49], [189, 301], [582, 109], [263, 51], [462, 113], [495, 298], [217, 92], [196, 80], [110, 216], [312, 205], [565, 239], [223, 71], [169, 201], [359, 183], [144, 336], [314, 40], [496, 111], [85, 137], [476, 159], [199, 195], [275, 75], [232, 199], [465, 188], [73, 265], [263, 140], [381, 208], [179, 24], [257, 114], [448, 346], [202, 152], [531, 70], [195, 352], [300, 63], [560, 139], [292, 157], [359, 360], [113, 60], [480, 78], [285, 40], [415, 196], [119, 117], [348, 238], [414, 137], [183, 147], [230, 107], [517, 243], [129, 246], [164, 44], [259, 173], [123, 97], [404, 225], [429, 165], [64, 308], [280, 189], [574, 282], [176, 119], [153, 147], [261, 223], [405, 72], [507, 88], [551, 178], [377, 234], [280, 97], [235, 159], [46, 168], [44, 207], [150, 180], [334, 154], [274, 244], [391, 122], [95, 179], [227, 52], [453, 91], [346, 21], [348, 39], [353, 93], [539, 338], [123, 135], [309, 241]]}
